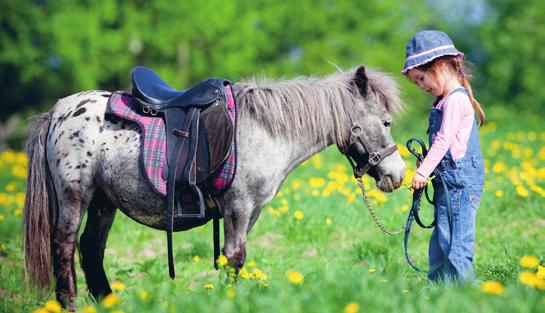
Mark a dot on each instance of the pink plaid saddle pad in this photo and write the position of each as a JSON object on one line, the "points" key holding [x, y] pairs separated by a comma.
{"points": [[153, 152]]}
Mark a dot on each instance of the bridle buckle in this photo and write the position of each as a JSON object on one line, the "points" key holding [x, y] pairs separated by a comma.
{"points": [[374, 158]]}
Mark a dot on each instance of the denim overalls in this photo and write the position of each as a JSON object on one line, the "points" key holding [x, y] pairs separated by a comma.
{"points": [[451, 258]]}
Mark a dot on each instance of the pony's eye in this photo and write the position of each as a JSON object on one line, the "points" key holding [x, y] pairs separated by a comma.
{"points": [[386, 123]]}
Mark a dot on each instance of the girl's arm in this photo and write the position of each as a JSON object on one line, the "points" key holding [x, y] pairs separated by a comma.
{"points": [[453, 114]]}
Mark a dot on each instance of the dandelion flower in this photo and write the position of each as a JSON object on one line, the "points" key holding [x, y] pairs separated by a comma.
{"points": [[298, 215], [251, 263], [244, 273], [53, 306], [209, 286], [222, 260], [499, 193], [493, 287], [316, 182], [540, 272], [40, 310], [117, 311], [295, 277], [352, 307], [529, 261], [196, 259], [328, 221], [118, 286], [18, 212], [528, 279], [521, 191], [111, 300], [372, 270], [2, 217]]}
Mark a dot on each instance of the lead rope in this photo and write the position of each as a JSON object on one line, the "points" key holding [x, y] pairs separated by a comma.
{"points": [[372, 213]]}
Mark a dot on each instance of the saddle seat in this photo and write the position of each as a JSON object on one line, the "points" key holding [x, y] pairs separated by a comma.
{"points": [[157, 95]]}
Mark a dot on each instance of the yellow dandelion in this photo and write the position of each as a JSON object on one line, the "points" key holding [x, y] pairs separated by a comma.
{"points": [[328, 221], [143, 295], [528, 279], [351, 198], [258, 274], [117, 311], [231, 293], [2, 217], [352, 307], [296, 184], [499, 167], [53, 306], [521, 191], [493, 288], [251, 263], [18, 212], [40, 310], [88, 309], [2, 247], [298, 215], [315, 193], [284, 208], [117, 286], [111, 300], [295, 277], [529, 261], [209, 286], [222, 260], [244, 273], [405, 290], [316, 182], [499, 193], [196, 259], [372, 270], [540, 272]]}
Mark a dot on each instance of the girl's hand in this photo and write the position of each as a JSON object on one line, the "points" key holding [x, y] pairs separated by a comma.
{"points": [[419, 181]]}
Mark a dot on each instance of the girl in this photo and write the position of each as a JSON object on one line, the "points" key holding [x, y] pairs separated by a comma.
{"points": [[435, 66]]}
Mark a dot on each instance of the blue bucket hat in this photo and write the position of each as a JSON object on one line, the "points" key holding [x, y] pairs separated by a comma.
{"points": [[426, 46]]}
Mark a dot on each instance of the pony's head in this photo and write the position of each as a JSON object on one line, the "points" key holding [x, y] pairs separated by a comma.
{"points": [[367, 141]]}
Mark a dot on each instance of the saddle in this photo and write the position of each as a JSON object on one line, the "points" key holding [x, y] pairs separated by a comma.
{"points": [[199, 133]]}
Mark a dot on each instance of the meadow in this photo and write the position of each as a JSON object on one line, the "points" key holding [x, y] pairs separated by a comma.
{"points": [[315, 247]]}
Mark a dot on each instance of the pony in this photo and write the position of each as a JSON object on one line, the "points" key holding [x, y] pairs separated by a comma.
{"points": [[83, 161]]}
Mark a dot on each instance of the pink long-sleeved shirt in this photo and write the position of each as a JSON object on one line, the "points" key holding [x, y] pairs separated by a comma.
{"points": [[458, 116]]}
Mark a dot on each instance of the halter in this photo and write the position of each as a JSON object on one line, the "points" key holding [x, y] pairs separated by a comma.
{"points": [[375, 156]]}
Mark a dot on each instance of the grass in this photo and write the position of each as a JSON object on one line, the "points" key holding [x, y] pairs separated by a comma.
{"points": [[346, 263]]}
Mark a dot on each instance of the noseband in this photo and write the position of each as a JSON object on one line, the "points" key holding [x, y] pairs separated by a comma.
{"points": [[375, 155]]}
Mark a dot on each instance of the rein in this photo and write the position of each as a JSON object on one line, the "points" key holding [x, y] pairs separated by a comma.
{"points": [[375, 157]]}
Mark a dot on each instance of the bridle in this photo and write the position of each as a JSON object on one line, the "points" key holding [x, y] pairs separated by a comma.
{"points": [[375, 156]]}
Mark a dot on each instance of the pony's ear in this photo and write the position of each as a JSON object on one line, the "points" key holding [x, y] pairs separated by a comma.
{"points": [[361, 81]]}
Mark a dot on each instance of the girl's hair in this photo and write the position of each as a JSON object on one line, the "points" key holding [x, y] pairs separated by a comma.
{"points": [[456, 66]]}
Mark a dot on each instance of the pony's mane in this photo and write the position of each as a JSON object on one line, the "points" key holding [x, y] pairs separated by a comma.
{"points": [[304, 105]]}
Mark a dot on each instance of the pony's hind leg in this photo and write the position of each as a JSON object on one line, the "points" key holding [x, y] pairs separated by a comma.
{"points": [[73, 201], [100, 217]]}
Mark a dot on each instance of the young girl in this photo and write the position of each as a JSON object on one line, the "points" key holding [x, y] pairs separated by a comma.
{"points": [[435, 66]]}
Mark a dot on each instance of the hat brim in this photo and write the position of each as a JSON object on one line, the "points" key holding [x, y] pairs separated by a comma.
{"points": [[416, 62]]}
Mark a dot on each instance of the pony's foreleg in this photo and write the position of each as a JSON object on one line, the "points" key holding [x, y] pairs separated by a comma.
{"points": [[100, 217], [73, 201], [236, 215]]}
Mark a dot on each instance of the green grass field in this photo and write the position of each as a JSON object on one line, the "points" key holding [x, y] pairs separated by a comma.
{"points": [[315, 247]]}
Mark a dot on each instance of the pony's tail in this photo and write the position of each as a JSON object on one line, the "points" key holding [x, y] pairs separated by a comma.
{"points": [[38, 207]]}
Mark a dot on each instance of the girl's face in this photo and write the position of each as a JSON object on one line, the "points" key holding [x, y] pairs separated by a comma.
{"points": [[427, 81]]}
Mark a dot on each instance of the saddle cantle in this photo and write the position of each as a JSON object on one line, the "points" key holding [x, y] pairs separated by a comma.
{"points": [[199, 158]]}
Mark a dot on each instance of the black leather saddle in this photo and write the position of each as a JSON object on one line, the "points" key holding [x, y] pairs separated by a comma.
{"points": [[199, 132]]}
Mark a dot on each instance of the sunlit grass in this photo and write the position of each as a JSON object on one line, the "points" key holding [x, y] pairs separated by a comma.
{"points": [[315, 249]]}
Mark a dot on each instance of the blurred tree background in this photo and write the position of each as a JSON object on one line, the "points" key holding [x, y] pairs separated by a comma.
{"points": [[51, 49]]}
